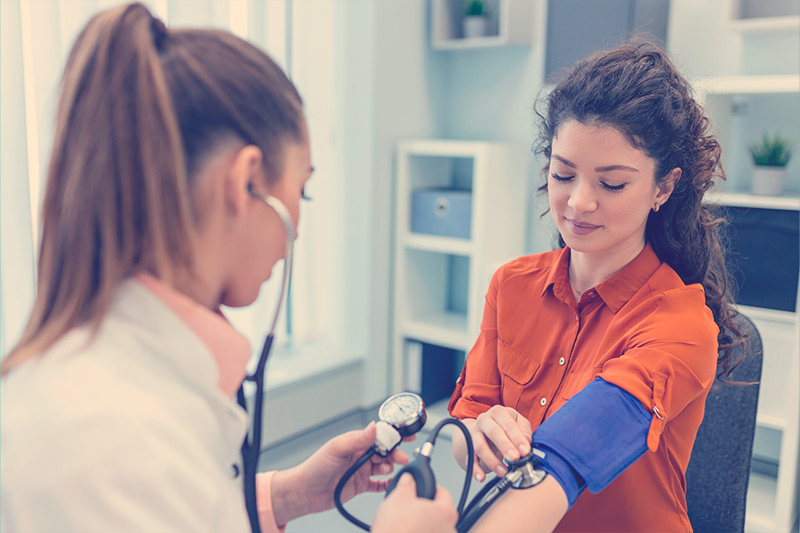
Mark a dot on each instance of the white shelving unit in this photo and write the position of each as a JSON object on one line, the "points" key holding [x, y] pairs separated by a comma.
{"points": [[741, 109], [759, 16], [440, 282], [788, 203], [508, 23], [772, 500]]}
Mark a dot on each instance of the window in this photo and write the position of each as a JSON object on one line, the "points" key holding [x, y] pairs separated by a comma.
{"points": [[300, 35]]}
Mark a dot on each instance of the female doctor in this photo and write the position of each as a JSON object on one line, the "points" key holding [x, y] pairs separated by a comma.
{"points": [[117, 412]]}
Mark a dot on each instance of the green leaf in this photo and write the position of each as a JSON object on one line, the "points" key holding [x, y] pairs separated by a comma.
{"points": [[772, 152]]}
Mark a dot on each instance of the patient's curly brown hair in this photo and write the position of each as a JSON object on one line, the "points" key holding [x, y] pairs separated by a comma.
{"points": [[636, 89]]}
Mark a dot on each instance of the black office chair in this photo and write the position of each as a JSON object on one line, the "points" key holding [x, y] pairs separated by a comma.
{"points": [[719, 468]]}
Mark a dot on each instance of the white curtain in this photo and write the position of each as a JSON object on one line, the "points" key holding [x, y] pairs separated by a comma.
{"points": [[36, 36]]}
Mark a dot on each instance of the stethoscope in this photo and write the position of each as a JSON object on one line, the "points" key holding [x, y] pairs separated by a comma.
{"points": [[400, 416], [403, 415], [251, 446]]}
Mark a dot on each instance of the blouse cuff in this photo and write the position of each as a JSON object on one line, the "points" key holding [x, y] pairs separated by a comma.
{"points": [[266, 515]]}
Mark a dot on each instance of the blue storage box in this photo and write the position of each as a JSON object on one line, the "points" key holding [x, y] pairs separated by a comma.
{"points": [[446, 212]]}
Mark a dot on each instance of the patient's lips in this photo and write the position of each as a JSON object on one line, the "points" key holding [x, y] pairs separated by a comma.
{"points": [[581, 228]]}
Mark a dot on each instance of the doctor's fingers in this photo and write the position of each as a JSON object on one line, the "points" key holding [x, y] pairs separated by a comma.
{"points": [[382, 468], [514, 441], [397, 457]]}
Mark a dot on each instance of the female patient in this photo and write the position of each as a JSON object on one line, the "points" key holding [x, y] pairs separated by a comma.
{"points": [[600, 354], [117, 411]]}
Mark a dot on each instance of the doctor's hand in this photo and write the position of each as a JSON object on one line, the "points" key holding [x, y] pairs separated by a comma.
{"points": [[499, 432], [403, 511], [309, 487]]}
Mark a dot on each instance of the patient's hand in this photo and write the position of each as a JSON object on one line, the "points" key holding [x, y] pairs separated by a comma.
{"points": [[499, 432]]}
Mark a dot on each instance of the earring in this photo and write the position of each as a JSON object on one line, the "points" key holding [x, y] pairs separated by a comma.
{"points": [[655, 207]]}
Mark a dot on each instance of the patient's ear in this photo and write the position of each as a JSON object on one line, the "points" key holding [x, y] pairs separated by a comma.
{"points": [[666, 187], [243, 170]]}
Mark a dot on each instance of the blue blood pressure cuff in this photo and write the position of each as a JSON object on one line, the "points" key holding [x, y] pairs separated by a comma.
{"points": [[592, 438]]}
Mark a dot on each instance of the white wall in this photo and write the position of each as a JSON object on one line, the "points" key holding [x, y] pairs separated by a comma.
{"points": [[491, 95], [704, 43], [408, 95]]}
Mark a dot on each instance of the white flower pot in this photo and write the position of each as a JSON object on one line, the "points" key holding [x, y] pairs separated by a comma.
{"points": [[474, 26], [767, 181]]}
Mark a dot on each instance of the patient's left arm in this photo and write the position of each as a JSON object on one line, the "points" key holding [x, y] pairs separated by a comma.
{"points": [[539, 508]]}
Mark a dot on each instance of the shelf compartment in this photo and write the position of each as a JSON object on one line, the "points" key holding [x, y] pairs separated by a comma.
{"points": [[788, 203], [741, 114], [762, 16], [434, 297], [778, 331], [715, 85], [431, 370], [764, 279], [435, 243], [766, 24], [761, 492], [427, 171], [508, 23], [445, 329]]}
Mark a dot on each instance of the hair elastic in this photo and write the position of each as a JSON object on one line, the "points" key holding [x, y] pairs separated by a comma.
{"points": [[159, 30]]}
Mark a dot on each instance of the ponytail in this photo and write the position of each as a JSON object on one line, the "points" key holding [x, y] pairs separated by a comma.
{"points": [[139, 104], [109, 195]]}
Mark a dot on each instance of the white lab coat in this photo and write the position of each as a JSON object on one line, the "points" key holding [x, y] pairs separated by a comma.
{"points": [[129, 433]]}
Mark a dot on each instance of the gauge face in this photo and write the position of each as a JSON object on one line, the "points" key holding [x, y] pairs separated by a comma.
{"points": [[402, 409]]}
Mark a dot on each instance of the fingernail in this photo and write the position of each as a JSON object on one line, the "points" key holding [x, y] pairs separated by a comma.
{"points": [[501, 471], [512, 455], [524, 449]]}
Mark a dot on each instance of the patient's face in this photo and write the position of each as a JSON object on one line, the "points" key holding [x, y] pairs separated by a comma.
{"points": [[601, 189]]}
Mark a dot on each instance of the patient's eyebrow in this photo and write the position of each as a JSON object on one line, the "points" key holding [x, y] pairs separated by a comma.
{"points": [[609, 168], [565, 161]]}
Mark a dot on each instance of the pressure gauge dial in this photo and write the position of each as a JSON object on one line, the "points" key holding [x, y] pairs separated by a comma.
{"points": [[405, 412]]}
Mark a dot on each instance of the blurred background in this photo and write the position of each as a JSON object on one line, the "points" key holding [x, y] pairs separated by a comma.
{"points": [[422, 124]]}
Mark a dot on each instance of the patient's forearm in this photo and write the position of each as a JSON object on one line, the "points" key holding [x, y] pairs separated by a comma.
{"points": [[538, 508]]}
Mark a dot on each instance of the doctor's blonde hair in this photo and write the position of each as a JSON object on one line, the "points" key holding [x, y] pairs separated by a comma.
{"points": [[140, 104]]}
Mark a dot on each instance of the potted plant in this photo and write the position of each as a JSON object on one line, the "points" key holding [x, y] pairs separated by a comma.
{"points": [[475, 14], [770, 158]]}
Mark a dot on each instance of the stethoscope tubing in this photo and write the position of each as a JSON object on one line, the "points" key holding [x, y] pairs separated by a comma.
{"points": [[251, 446]]}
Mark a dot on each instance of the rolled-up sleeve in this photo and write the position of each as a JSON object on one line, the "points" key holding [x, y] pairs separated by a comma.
{"points": [[670, 359], [266, 513], [478, 385]]}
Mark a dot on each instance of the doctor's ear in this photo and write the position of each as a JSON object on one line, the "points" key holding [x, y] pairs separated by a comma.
{"points": [[244, 170]]}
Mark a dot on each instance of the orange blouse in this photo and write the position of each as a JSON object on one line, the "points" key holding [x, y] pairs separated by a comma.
{"points": [[642, 330]]}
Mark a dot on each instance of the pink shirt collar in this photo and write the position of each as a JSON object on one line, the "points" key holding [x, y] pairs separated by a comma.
{"points": [[231, 350]]}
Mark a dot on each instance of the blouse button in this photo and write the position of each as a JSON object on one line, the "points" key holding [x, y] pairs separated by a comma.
{"points": [[543, 401], [576, 318], [561, 361]]}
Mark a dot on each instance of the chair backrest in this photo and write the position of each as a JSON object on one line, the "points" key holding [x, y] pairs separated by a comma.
{"points": [[719, 468]]}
